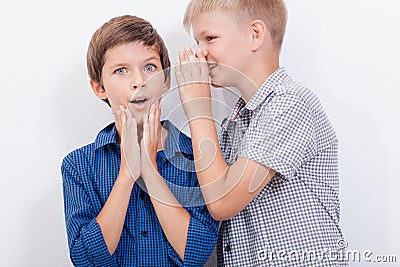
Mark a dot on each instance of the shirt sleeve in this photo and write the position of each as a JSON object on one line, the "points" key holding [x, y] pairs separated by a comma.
{"points": [[281, 137], [202, 231], [85, 240]]}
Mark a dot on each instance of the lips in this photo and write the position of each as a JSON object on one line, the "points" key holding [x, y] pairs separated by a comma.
{"points": [[212, 66], [139, 102]]}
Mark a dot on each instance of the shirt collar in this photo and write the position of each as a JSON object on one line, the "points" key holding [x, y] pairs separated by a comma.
{"points": [[176, 142], [106, 136], [272, 84]]}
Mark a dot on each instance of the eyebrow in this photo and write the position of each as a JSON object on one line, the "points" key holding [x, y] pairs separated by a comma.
{"points": [[125, 63], [203, 33], [152, 58], [117, 65]]}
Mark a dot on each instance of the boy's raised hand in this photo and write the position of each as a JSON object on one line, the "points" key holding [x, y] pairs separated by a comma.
{"points": [[130, 150], [149, 143], [192, 76]]}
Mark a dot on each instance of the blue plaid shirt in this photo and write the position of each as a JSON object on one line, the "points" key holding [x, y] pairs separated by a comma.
{"points": [[89, 174]]}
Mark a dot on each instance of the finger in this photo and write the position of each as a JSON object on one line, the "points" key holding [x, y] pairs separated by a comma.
{"points": [[146, 137], [190, 56], [134, 135], [182, 57], [157, 121], [122, 119], [146, 128], [151, 122], [118, 120], [203, 65], [132, 124], [193, 65], [180, 79], [184, 66], [158, 112]]}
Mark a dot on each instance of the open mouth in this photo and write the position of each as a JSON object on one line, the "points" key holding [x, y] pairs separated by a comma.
{"points": [[212, 66], [139, 103]]}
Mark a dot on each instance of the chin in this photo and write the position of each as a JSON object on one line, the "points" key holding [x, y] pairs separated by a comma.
{"points": [[218, 83]]}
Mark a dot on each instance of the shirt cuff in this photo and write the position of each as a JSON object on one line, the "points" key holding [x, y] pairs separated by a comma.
{"points": [[93, 247], [200, 244], [268, 160]]}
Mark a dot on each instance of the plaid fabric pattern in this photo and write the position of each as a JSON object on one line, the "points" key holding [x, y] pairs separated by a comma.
{"points": [[89, 174], [284, 127]]}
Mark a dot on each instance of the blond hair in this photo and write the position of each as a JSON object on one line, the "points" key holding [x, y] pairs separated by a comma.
{"points": [[272, 12]]}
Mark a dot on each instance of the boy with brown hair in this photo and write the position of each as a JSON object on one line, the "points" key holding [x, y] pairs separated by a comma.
{"points": [[119, 208], [273, 178]]}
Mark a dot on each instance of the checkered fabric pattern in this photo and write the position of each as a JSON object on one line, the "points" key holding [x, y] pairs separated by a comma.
{"points": [[89, 174], [284, 127]]}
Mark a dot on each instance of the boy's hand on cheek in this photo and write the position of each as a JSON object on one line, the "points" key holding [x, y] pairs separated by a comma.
{"points": [[130, 150], [192, 76], [149, 142]]}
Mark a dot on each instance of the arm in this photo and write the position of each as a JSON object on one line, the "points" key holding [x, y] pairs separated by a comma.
{"points": [[112, 216], [227, 190], [85, 239], [92, 235], [170, 212]]}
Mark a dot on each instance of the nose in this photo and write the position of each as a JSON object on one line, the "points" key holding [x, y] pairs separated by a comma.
{"points": [[203, 48], [138, 80]]}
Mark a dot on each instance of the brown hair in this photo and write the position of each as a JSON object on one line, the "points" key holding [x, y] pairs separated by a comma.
{"points": [[272, 12], [122, 30]]}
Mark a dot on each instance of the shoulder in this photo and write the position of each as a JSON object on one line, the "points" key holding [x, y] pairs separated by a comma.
{"points": [[79, 154], [81, 158], [78, 160], [293, 99], [299, 107]]}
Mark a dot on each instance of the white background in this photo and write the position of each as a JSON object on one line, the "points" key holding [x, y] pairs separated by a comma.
{"points": [[347, 52]]}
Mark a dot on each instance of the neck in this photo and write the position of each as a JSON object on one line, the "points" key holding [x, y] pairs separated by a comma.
{"points": [[264, 65]]}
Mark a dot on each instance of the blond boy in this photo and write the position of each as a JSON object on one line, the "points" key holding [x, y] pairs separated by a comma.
{"points": [[273, 178]]}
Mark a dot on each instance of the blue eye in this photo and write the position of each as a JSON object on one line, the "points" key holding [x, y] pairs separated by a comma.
{"points": [[121, 71], [150, 67]]}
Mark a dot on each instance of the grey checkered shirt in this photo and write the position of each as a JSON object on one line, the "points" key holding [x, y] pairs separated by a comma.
{"points": [[284, 127]]}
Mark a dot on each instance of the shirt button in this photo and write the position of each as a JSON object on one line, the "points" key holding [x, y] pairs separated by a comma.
{"points": [[144, 233], [141, 195], [227, 248]]}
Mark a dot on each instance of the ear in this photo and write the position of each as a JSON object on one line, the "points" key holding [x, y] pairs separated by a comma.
{"points": [[98, 89], [257, 34]]}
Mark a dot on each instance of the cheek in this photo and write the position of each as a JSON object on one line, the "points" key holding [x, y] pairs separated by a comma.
{"points": [[155, 84]]}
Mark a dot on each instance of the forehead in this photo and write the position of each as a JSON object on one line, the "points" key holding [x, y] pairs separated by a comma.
{"points": [[213, 21], [132, 51]]}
